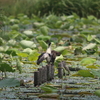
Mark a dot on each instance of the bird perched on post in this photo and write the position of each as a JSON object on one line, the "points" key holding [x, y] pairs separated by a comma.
{"points": [[49, 55]]}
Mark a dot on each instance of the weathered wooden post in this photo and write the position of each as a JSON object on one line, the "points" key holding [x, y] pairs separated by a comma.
{"points": [[45, 73], [36, 78], [60, 70], [52, 72], [48, 72], [40, 75]]}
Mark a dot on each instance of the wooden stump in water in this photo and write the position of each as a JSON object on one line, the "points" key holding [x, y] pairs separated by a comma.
{"points": [[48, 72], [45, 73], [52, 72], [60, 70], [36, 78], [40, 75]]}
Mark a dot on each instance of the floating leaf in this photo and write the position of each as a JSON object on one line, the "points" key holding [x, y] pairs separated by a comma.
{"points": [[28, 33], [11, 42], [60, 48], [43, 44], [48, 89], [11, 52], [27, 44], [90, 37], [44, 30], [42, 37], [86, 32], [85, 73], [97, 92], [90, 46], [33, 56], [58, 58], [92, 67], [52, 96], [6, 67], [97, 40], [15, 27], [65, 52], [38, 25], [22, 54], [96, 73], [10, 82], [86, 61], [61, 35], [28, 50], [2, 41]]}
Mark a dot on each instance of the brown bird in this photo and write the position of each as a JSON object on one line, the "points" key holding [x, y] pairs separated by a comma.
{"points": [[49, 55]]}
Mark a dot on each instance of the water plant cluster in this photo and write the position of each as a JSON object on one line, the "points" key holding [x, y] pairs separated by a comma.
{"points": [[23, 39]]}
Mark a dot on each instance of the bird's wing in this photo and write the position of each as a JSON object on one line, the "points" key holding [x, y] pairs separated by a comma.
{"points": [[40, 58]]}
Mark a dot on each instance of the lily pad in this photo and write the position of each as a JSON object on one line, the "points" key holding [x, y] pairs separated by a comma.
{"points": [[42, 37], [28, 33], [33, 56], [10, 82], [90, 46], [11, 42], [28, 50], [27, 44], [86, 61], [44, 30], [60, 48], [96, 73], [97, 92], [43, 44], [6, 67], [85, 73]]}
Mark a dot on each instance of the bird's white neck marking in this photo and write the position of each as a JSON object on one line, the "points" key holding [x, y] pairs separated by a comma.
{"points": [[48, 50]]}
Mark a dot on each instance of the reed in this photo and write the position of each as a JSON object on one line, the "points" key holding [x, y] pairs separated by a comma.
{"points": [[82, 8]]}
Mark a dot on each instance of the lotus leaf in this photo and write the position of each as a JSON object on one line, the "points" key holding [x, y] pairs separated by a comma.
{"points": [[10, 82], [27, 44]]}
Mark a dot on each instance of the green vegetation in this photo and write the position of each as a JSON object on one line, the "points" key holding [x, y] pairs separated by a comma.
{"points": [[73, 26], [23, 39], [82, 8]]}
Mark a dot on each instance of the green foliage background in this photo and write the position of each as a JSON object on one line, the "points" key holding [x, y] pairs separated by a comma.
{"points": [[82, 8]]}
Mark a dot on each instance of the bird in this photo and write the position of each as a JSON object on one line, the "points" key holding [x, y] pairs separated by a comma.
{"points": [[49, 55]]}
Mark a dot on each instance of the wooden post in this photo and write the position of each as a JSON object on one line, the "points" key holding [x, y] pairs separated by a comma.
{"points": [[45, 73], [40, 75], [52, 72], [36, 78], [60, 70], [48, 72]]}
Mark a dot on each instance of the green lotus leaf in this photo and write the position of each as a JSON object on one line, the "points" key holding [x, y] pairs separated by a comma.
{"points": [[28, 50], [9, 82], [33, 56], [87, 61], [60, 48], [89, 46], [43, 44], [42, 37], [27, 44], [44, 30], [97, 92], [28, 33], [85, 73], [6, 67]]}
